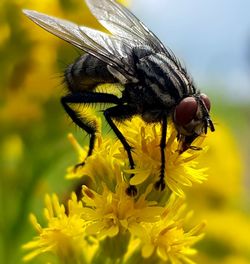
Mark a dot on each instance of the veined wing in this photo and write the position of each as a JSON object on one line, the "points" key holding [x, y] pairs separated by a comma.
{"points": [[99, 44], [122, 23]]}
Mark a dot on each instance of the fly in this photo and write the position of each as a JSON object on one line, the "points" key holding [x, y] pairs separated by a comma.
{"points": [[156, 86]]}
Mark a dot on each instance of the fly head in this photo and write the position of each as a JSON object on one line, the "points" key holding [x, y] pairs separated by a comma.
{"points": [[191, 119]]}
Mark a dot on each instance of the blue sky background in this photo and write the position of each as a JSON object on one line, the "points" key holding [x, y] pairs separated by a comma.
{"points": [[212, 37]]}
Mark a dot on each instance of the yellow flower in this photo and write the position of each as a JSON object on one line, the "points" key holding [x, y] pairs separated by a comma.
{"points": [[100, 167], [109, 213], [181, 169], [108, 209], [64, 234], [106, 212], [159, 230], [167, 237], [153, 220]]}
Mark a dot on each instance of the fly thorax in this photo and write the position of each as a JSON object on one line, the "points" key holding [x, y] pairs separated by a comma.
{"points": [[134, 94], [166, 79]]}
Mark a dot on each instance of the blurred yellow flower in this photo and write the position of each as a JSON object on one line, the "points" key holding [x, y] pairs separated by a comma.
{"points": [[224, 179], [32, 71], [227, 235]]}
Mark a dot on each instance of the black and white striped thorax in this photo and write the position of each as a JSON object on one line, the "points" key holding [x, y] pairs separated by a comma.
{"points": [[166, 78], [162, 84]]}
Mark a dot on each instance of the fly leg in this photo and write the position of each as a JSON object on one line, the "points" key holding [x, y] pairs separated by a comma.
{"points": [[120, 113], [160, 184], [81, 121]]}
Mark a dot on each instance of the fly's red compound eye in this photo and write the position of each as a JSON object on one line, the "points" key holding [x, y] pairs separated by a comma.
{"points": [[185, 111], [206, 101]]}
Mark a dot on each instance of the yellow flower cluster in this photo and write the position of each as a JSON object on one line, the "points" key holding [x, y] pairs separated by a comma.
{"points": [[64, 233], [152, 225]]}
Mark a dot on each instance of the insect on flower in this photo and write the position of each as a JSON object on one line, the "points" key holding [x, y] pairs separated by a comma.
{"points": [[155, 84]]}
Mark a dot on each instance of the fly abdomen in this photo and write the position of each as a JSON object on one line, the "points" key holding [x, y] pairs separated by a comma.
{"points": [[86, 73]]}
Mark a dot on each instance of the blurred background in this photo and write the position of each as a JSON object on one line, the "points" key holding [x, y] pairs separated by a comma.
{"points": [[212, 38]]}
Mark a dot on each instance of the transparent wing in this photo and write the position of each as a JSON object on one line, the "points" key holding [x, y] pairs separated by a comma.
{"points": [[101, 45], [122, 23]]}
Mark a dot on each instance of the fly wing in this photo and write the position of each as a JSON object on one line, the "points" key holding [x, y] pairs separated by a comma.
{"points": [[123, 24], [101, 45]]}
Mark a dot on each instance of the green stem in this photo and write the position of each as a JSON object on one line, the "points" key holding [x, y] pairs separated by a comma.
{"points": [[112, 249]]}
